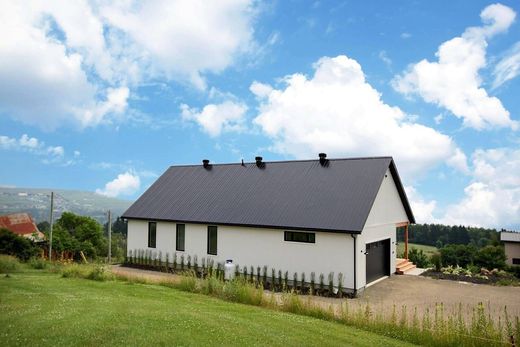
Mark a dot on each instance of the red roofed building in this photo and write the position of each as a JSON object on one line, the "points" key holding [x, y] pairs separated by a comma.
{"points": [[21, 224]]}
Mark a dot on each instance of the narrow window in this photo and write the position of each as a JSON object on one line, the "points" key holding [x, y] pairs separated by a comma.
{"points": [[179, 244], [300, 237], [212, 240], [152, 231]]}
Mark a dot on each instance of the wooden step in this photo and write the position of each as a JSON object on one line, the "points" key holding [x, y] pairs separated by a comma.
{"points": [[403, 270], [401, 262]]}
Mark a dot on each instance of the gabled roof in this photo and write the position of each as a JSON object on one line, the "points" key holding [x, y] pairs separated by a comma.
{"points": [[19, 223], [299, 194]]}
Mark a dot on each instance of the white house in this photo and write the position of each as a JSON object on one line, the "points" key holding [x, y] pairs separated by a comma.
{"points": [[303, 216], [511, 242]]}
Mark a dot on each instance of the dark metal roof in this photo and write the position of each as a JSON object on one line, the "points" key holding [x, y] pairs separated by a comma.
{"points": [[285, 194]]}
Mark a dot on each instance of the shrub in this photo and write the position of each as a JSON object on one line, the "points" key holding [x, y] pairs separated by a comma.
{"points": [[491, 257], [322, 283], [264, 279], [258, 274], [20, 247], [331, 283], [418, 257], [461, 255], [38, 263], [340, 284], [8, 264], [435, 259], [313, 283]]}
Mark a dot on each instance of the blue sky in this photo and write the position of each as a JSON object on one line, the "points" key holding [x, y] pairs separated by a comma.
{"points": [[104, 96]]}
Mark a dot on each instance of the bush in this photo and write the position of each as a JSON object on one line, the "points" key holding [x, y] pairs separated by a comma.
{"points": [[457, 255], [20, 247], [418, 257], [38, 263], [435, 259], [8, 264], [491, 257]]}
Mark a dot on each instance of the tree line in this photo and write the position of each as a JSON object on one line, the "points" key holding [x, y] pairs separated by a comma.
{"points": [[439, 235]]}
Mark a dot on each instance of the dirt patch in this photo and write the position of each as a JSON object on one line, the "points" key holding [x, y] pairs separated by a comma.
{"points": [[150, 276]]}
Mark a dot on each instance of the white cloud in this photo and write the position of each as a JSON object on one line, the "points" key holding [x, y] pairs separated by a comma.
{"points": [[127, 183], [338, 112], [51, 154], [453, 82], [508, 67], [384, 58], [64, 62], [492, 199], [423, 210], [405, 35], [184, 38], [216, 118]]}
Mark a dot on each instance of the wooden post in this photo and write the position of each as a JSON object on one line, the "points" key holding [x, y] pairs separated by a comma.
{"points": [[406, 241]]}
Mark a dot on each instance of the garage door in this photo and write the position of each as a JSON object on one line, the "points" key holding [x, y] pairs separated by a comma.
{"points": [[378, 260]]}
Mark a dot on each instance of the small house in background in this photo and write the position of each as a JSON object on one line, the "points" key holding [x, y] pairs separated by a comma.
{"points": [[21, 224], [511, 242], [318, 216]]}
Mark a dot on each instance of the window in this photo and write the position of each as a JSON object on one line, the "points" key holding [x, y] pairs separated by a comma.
{"points": [[152, 233], [516, 261], [300, 237], [212, 240], [179, 244]]}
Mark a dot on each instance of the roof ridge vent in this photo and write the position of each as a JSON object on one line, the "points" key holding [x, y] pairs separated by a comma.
{"points": [[206, 164], [259, 162], [323, 159]]}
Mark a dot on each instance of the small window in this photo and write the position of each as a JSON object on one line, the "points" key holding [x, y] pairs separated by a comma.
{"points": [[179, 244], [152, 233], [300, 237], [516, 261], [212, 240]]}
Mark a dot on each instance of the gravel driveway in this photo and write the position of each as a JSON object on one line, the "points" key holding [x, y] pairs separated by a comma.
{"points": [[424, 292]]}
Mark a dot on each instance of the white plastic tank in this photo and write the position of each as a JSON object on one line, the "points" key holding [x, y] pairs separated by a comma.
{"points": [[229, 270]]}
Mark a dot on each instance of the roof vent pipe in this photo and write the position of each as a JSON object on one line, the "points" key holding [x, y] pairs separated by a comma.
{"points": [[323, 159], [259, 162], [205, 163]]}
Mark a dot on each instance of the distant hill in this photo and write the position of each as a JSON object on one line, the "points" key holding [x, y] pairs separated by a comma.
{"points": [[37, 203]]}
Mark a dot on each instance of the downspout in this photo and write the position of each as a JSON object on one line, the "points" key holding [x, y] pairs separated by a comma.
{"points": [[355, 265]]}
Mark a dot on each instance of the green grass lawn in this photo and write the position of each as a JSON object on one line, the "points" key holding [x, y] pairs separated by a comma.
{"points": [[428, 250], [40, 308]]}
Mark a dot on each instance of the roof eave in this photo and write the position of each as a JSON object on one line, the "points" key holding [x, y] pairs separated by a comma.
{"points": [[263, 226]]}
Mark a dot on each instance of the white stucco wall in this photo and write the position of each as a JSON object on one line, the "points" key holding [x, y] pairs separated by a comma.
{"points": [[246, 246], [386, 212]]}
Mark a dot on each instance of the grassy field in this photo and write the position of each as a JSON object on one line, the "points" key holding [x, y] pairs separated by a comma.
{"points": [[40, 308], [428, 250]]}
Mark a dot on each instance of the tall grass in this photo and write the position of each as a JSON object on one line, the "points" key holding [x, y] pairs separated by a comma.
{"points": [[91, 272], [9, 264], [436, 327]]}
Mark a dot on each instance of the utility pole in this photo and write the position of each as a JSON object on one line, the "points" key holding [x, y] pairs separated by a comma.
{"points": [[109, 237], [51, 222]]}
